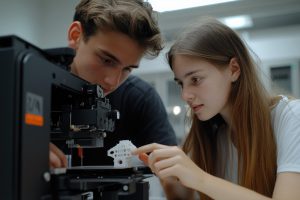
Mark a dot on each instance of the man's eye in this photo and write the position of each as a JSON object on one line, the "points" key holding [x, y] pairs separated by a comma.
{"points": [[107, 61], [128, 69]]}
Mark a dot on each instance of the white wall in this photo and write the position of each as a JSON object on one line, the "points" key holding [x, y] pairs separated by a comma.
{"points": [[41, 22], [45, 23], [270, 44], [278, 47], [20, 18], [277, 43], [57, 16]]}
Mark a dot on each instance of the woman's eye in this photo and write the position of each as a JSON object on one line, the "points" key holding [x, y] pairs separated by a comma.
{"points": [[179, 84], [196, 80]]}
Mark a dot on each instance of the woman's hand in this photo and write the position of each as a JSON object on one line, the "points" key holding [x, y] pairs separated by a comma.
{"points": [[56, 157], [171, 161]]}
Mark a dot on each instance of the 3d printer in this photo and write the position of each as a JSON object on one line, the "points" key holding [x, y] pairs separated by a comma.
{"points": [[42, 102]]}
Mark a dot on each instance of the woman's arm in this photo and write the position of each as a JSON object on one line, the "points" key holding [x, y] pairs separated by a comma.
{"points": [[286, 188], [171, 162], [174, 190]]}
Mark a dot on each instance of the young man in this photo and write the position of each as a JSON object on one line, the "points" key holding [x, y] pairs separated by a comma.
{"points": [[109, 38]]}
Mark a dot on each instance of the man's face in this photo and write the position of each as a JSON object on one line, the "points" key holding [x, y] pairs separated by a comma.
{"points": [[106, 59]]}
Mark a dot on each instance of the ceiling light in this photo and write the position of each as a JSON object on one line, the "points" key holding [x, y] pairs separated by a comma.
{"points": [[238, 22], [170, 5], [176, 110]]}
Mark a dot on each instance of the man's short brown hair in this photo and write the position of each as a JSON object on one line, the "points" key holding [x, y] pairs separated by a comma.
{"points": [[134, 18]]}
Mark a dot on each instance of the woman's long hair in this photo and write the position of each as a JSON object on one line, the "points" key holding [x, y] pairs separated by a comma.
{"points": [[251, 130]]}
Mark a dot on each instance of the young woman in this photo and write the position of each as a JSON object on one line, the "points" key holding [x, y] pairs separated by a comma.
{"points": [[243, 143]]}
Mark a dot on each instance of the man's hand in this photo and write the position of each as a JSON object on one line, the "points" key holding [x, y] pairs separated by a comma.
{"points": [[56, 157]]}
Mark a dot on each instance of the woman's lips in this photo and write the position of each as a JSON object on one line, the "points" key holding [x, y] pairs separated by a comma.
{"points": [[197, 108]]}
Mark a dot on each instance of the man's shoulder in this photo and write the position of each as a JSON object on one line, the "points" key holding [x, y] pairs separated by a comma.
{"points": [[133, 94]]}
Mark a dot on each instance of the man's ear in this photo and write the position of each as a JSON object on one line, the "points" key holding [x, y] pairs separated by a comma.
{"points": [[74, 34], [234, 69]]}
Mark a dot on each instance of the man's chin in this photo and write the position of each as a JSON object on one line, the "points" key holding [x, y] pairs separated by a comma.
{"points": [[107, 92]]}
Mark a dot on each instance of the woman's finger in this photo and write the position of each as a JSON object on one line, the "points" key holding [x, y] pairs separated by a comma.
{"points": [[161, 154], [148, 148], [166, 163]]}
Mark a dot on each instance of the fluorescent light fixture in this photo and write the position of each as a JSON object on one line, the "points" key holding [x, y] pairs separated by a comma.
{"points": [[170, 5], [238, 22]]}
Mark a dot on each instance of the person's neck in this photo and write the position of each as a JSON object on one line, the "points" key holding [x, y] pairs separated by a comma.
{"points": [[73, 69], [226, 116]]}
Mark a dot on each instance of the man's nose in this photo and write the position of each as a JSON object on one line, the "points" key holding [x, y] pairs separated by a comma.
{"points": [[112, 80]]}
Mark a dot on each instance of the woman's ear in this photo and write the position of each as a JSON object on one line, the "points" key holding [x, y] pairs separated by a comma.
{"points": [[234, 69], [74, 34]]}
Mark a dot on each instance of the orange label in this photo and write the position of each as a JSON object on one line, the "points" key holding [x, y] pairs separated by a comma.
{"points": [[35, 120]]}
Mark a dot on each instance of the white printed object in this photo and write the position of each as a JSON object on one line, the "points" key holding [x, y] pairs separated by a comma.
{"points": [[121, 153]]}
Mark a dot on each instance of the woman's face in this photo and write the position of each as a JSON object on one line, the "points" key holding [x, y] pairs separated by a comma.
{"points": [[204, 87]]}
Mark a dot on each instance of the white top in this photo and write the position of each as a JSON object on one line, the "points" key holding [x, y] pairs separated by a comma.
{"points": [[285, 118], [286, 125]]}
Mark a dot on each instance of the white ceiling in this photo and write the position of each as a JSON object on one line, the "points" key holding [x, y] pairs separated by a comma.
{"points": [[264, 13]]}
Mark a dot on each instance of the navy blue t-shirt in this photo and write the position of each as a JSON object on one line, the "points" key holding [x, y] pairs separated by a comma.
{"points": [[143, 120]]}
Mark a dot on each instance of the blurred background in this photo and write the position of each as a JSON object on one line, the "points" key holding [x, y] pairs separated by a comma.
{"points": [[271, 28]]}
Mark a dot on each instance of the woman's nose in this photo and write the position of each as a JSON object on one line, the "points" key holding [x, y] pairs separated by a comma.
{"points": [[187, 95]]}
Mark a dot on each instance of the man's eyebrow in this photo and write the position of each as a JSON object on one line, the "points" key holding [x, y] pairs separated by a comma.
{"points": [[106, 53], [133, 66], [111, 56]]}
